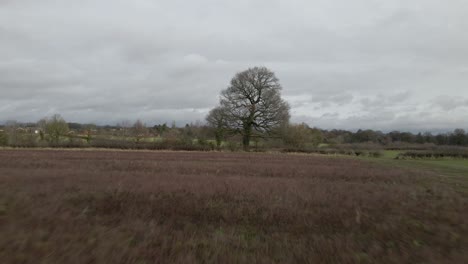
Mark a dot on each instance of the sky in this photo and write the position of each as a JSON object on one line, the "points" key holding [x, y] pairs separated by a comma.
{"points": [[370, 64]]}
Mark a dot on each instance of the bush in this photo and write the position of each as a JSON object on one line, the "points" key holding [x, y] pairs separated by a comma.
{"points": [[166, 144], [438, 153], [233, 146], [337, 151], [3, 139]]}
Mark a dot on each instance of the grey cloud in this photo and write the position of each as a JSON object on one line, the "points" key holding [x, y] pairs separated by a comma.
{"points": [[448, 103], [382, 101], [320, 99], [348, 64], [340, 99]]}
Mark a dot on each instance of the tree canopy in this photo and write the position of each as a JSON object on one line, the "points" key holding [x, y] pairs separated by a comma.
{"points": [[251, 105]]}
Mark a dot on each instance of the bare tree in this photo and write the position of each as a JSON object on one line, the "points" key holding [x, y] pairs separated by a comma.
{"points": [[252, 104], [124, 127], [11, 128], [55, 127], [139, 130], [41, 124]]}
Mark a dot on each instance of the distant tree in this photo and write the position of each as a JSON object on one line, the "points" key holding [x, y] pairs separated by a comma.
{"points": [[3, 138], [124, 127], [301, 135], [217, 119], [41, 124], [368, 135], [429, 138], [188, 131], [88, 129], [172, 135], [441, 139], [407, 137], [252, 104], [419, 138], [395, 136], [75, 126], [316, 136], [161, 129], [458, 137], [200, 132], [55, 126], [11, 129], [139, 130]]}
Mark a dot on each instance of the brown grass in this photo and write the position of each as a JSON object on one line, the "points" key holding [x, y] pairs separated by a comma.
{"points": [[178, 207]]}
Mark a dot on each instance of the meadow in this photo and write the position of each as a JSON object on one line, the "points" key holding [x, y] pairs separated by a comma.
{"points": [[101, 206]]}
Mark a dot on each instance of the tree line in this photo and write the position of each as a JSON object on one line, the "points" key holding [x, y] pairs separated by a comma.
{"points": [[55, 129], [250, 110]]}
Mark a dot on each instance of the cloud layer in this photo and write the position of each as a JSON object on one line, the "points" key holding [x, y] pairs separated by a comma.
{"points": [[343, 64]]}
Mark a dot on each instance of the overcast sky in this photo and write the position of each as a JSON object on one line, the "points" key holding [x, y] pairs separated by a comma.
{"points": [[379, 64]]}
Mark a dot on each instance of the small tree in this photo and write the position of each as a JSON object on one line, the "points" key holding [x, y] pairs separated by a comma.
{"points": [[217, 119], [139, 130], [41, 124], [160, 129], [55, 127], [252, 104], [301, 135], [11, 129], [3, 138], [124, 127], [88, 129]]}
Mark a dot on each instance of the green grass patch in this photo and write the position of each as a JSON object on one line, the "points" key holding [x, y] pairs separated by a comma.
{"points": [[452, 171], [390, 154]]}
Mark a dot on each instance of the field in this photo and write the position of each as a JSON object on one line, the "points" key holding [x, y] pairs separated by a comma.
{"points": [[453, 170], [93, 206]]}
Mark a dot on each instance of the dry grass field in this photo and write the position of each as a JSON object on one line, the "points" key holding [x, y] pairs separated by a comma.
{"points": [[184, 207]]}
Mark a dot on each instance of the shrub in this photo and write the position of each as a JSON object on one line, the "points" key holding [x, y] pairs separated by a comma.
{"points": [[3, 139], [441, 152]]}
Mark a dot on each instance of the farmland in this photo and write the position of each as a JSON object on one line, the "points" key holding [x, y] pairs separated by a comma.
{"points": [[100, 206]]}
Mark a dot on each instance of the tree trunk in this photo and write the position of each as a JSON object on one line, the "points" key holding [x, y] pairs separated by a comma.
{"points": [[246, 137], [219, 136], [246, 142], [218, 140]]}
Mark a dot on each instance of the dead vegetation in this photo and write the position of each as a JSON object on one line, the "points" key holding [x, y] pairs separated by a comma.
{"points": [[182, 207]]}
